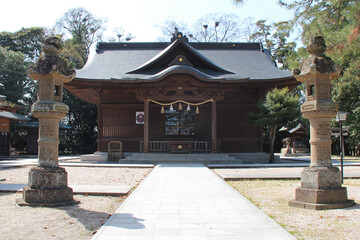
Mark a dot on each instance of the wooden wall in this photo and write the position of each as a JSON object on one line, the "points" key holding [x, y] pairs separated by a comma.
{"points": [[118, 123], [4, 125], [4, 136], [234, 131]]}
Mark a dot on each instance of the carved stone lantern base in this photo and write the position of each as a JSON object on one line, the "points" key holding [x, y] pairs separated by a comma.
{"points": [[47, 188], [321, 189], [47, 185], [321, 182]]}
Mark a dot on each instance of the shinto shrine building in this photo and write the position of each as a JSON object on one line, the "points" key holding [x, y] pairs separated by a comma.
{"points": [[178, 96]]}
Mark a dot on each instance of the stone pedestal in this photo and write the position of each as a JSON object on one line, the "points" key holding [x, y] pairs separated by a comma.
{"points": [[321, 189], [321, 182], [47, 184], [47, 187]]}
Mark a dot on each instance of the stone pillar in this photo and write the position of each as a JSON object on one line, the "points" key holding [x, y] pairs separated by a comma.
{"points": [[321, 182], [48, 182]]}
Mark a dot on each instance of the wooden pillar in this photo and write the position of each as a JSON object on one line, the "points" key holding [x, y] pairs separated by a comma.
{"points": [[100, 125], [260, 135], [213, 127], [146, 125], [100, 118]]}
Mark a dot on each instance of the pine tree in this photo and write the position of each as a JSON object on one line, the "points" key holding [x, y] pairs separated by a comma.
{"points": [[280, 108]]}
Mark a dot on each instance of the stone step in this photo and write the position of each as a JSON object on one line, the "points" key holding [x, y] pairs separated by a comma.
{"points": [[194, 156], [124, 161], [207, 158]]}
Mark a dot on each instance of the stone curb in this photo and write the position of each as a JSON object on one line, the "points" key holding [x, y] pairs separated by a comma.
{"points": [[109, 190]]}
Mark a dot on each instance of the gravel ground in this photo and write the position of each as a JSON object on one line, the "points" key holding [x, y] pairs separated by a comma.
{"points": [[83, 220], [79, 221], [84, 175], [272, 196]]}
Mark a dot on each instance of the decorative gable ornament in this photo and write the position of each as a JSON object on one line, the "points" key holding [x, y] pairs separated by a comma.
{"points": [[179, 35], [180, 60]]}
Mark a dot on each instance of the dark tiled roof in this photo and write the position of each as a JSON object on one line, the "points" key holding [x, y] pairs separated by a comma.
{"points": [[133, 62], [13, 116], [34, 123]]}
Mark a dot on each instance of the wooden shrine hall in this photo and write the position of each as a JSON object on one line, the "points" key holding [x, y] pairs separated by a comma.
{"points": [[178, 96]]}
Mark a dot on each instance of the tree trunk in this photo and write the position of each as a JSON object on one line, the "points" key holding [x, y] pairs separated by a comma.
{"points": [[272, 143]]}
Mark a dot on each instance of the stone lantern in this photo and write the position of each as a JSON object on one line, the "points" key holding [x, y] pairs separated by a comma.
{"points": [[321, 182], [47, 184]]}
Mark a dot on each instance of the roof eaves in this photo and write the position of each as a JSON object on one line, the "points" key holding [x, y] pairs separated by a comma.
{"points": [[176, 69], [13, 116]]}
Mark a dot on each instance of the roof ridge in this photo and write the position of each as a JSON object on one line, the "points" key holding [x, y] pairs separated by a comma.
{"points": [[103, 46]]}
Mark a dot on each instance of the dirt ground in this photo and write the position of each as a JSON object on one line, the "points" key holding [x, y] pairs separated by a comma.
{"points": [[83, 220], [272, 196], [79, 221]]}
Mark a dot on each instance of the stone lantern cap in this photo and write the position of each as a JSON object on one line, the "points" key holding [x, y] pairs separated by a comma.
{"points": [[317, 63], [50, 63]]}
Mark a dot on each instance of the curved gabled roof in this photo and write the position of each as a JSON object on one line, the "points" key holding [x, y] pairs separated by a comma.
{"points": [[213, 62], [166, 56]]}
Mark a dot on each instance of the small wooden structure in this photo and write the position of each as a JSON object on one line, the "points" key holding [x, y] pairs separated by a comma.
{"points": [[7, 115], [32, 129], [297, 141]]}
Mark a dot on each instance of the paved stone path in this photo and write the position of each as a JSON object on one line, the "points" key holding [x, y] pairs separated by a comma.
{"points": [[188, 202]]}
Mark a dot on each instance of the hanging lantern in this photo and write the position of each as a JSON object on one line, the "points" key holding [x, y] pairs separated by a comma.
{"points": [[171, 108], [180, 107], [188, 108], [162, 110], [197, 110]]}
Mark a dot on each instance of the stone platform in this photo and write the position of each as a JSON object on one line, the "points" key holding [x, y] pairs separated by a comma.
{"points": [[205, 158]]}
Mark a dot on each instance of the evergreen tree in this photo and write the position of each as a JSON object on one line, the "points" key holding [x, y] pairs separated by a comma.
{"points": [[339, 23], [280, 108], [27, 41], [17, 51], [17, 86]]}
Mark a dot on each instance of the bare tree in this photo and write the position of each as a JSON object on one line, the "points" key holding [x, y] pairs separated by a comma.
{"points": [[248, 28], [82, 25], [216, 27], [121, 35], [168, 27]]}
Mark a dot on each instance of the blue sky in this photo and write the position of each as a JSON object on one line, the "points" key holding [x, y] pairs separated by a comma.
{"points": [[139, 17]]}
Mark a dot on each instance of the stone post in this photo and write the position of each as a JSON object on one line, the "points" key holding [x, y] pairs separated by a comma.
{"points": [[47, 184], [321, 182]]}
